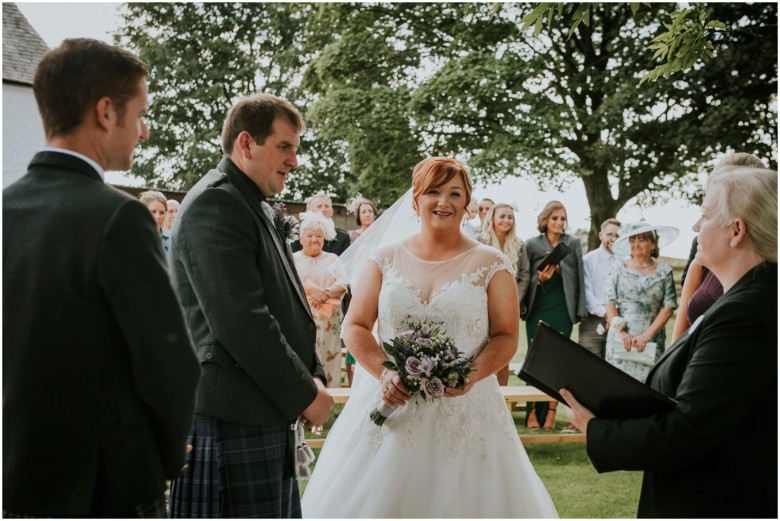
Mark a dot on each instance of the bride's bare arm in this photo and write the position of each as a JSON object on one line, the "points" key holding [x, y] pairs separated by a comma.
{"points": [[504, 317], [360, 320], [358, 326]]}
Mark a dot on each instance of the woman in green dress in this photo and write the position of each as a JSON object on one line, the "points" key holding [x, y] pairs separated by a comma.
{"points": [[556, 294]]}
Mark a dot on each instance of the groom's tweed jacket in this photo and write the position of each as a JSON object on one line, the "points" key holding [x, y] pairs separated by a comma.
{"points": [[244, 304]]}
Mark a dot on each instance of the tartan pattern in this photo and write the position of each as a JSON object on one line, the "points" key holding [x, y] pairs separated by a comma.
{"points": [[235, 471]]}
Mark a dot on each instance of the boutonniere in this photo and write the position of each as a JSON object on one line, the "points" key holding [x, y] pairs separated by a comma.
{"points": [[287, 225]]}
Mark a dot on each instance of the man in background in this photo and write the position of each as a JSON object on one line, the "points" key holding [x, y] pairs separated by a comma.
{"points": [[99, 374], [320, 202], [597, 264]]}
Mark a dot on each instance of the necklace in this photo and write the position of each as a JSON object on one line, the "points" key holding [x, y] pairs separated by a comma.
{"points": [[643, 265]]}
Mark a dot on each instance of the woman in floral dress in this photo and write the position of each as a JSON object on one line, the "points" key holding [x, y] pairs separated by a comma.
{"points": [[640, 291]]}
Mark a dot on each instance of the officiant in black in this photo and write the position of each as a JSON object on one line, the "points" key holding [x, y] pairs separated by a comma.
{"points": [[705, 457]]}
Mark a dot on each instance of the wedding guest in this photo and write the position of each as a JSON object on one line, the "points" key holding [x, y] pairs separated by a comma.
{"points": [[499, 232], [99, 374], [325, 283], [249, 317], [320, 202], [640, 292], [597, 264], [365, 214], [170, 215], [705, 458], [158, 206], [556, 294], [484, 206], [701, 288], [471, 230]]}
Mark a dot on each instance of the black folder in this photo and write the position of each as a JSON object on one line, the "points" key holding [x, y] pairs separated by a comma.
{"points": [[555, 362], [555, 256]]}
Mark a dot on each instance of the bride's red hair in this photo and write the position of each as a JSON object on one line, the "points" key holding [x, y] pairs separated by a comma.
{"points": [[433, 172]]}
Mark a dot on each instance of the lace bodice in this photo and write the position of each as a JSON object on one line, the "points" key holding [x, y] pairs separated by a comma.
{"points": [[463, 452], [453, 292]]}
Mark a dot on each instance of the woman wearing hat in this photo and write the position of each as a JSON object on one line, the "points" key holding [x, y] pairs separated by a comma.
{"points": [[324, 282], [640, 298]]}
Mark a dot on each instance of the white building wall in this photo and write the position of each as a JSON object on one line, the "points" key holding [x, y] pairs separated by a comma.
{"points": [[22, 130]]}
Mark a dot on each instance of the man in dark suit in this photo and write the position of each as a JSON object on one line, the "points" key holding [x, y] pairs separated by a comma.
{"points": [[321, 202], [99, 374], [250, 322]]}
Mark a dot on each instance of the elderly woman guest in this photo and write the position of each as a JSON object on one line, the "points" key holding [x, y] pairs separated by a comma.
{"points": [[365, 215], [157, 204], [705, 457], [324, 282], [499, 232], [555, 294], [640, 296]]}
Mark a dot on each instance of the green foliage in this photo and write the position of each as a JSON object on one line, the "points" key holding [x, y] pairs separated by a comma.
{"points": [[383, 85], [686, 41]]}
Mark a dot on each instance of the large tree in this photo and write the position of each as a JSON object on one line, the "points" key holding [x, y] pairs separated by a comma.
{"points": [[203, 58], [383, 85], [555, 107]]}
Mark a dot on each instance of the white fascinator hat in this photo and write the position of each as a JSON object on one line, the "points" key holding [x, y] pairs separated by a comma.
{"points": [[664, 235], [315, 220]]}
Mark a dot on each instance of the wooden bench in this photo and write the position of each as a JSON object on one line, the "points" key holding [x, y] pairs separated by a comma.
{"points": [[512, 394]]}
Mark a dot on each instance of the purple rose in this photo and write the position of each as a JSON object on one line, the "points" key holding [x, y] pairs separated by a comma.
{"points": [[413, 367], [433, 388]]}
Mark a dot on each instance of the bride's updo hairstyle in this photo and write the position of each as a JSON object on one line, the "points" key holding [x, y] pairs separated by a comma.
{"points": [[436, 171]]}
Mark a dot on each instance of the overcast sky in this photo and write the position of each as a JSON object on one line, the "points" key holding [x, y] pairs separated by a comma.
{"points": [[57, 21]]}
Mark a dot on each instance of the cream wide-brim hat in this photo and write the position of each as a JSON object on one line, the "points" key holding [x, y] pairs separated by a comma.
{"points": [[665, 235]]}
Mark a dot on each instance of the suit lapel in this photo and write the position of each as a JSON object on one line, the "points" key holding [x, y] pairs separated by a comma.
{"points": [[282, 249]]}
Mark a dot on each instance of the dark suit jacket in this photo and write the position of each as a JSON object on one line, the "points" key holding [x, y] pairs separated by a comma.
{"points": [[244, 304], [338, 245], [99, 374], [715, 454], [572, 272]]}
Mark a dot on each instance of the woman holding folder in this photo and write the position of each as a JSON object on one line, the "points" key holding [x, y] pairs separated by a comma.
{"points": [[556, 293], [704, 457]]}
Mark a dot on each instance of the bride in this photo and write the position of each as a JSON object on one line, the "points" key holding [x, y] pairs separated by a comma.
{"points": [[459, 456]]}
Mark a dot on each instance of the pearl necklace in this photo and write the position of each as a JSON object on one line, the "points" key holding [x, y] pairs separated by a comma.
{"points": [[640, 266]]}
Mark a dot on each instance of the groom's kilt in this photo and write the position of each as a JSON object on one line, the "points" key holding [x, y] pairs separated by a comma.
{"points": [[236, 471]]}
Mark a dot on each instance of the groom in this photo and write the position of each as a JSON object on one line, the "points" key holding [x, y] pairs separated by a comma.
{"points": [[250, 322]]}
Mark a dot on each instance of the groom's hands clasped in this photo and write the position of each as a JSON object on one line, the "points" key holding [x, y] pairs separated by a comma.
{"points": [[318, 412]]}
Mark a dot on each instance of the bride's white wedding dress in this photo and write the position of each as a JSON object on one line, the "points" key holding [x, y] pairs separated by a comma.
{"points": [[454, 457]]}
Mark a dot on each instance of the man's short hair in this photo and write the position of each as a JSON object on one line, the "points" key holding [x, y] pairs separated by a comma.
{"points": [[310, 201], [256, 114], [611, 220], [70, 79]]}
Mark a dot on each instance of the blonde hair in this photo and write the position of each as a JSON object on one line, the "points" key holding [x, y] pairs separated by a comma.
{"points": [[153, 195], [436, 171], [739, 159], [750, 194], [512, 245]]}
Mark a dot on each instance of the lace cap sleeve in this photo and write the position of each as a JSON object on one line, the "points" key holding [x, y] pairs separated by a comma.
{"points": [[500, 263], [381, 256]]}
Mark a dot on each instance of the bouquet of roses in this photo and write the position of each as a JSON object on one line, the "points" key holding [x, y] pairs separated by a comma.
{"points": [[427, 362]]}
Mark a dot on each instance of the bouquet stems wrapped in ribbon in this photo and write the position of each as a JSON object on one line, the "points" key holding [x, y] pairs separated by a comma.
{"points": [[427, 362]]}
